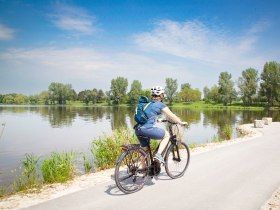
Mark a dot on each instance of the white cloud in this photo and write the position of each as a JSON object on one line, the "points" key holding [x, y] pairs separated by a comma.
{"points": [[73, 19], [86, 68], [196, 41], [6, 33]]}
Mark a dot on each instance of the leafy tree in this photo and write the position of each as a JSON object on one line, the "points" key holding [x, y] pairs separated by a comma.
{"points": [[94, 94], [248, 85], [226, 89], [270, 82], [118, 89], [135, 91], [214, 94], [100, 96], [44, 97], [33, 99], [85, 96], [170, 89], [185, 85], [206, 92], [8, 99], [60, 92], [1, 98], [20, 99], [189, 95], [146, 92]]}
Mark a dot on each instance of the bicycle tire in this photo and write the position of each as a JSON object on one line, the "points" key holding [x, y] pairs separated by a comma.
{"points": [[177, 160], [131, 171]]}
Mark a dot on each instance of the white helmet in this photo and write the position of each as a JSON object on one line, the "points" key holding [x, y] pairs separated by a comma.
{"points": [[157, 90]]}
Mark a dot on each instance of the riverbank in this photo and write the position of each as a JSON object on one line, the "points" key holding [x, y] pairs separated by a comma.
{"points": [[23, 200]]}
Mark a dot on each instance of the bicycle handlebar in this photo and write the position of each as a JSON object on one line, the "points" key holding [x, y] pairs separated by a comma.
{"points": [[166, 120]]}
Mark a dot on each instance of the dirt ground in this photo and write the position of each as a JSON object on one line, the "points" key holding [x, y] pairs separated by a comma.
{"points": [[23, 200]]}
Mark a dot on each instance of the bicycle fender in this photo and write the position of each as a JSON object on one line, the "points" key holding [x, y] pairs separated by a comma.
{"points": [[121, 156]]}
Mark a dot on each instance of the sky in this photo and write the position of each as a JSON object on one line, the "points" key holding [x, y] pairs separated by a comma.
{"points": [[89, 43]]}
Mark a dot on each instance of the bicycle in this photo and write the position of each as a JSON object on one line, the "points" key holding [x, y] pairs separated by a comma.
{"points": [[135, 165]]}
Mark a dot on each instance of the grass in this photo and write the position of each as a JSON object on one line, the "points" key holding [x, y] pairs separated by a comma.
{"points": [[107, 149], [29, 177], [88, 165], [226, 132], [59, 167]]}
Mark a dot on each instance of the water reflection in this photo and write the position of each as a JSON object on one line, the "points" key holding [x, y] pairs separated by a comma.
{"points": [[59, 116]]}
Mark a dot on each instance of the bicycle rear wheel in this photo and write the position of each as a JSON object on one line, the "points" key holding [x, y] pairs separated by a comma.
{"points": [[177, 160], [131, 171]]}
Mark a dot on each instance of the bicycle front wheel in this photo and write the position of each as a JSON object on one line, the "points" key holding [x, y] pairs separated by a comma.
{"points": [[177, 160], [131, 171]]}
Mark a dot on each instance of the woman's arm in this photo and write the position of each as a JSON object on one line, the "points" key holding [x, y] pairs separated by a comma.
{"points": [[172, 116]]}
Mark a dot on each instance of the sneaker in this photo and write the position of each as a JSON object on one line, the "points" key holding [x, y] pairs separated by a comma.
{"points": [[159, 158]]}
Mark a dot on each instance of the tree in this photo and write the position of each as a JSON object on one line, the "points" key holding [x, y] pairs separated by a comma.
{"points": [[214, 94], [60, 93], [8, 99], [85, 96], [170, 89], [146, 92], [34, 99], [189, 95], [185, 85], [118, 89], [226, 89], [20, 99], [270, 82], [44, 97], [100, 96], [135, 92], [248, 85], [206, 92]]}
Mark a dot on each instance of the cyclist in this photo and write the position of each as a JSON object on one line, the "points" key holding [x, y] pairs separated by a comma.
{"points": [[149, 129]]}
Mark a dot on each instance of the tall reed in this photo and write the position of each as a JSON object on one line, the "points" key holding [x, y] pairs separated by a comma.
{"points": [[59, 167], [29, 177], [106, 149], [88, 163], [227, 132]]}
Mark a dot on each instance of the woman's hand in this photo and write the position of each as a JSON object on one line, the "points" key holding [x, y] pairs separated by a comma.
{"points": [[183, 123]]}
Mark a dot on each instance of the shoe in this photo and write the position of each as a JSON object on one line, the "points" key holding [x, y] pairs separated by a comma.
{"points": [[159, 158]]}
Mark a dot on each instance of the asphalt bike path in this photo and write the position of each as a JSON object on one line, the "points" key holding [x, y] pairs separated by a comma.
{"points": [[240, 176]]}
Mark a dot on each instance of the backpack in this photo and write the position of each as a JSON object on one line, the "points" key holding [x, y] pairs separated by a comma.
{"points": [[140, 115]]}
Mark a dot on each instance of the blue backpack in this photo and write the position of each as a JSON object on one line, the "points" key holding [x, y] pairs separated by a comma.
{"points": [[140, 115]]}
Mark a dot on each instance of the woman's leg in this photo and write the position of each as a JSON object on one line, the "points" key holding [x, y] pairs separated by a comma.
{"points": [[163, 142]]}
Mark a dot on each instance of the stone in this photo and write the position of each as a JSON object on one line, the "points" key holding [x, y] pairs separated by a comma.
{"points": [[258, 124], [267, 120]]}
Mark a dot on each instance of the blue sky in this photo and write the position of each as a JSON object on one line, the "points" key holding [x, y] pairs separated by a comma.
{"points": [[89, 43]]}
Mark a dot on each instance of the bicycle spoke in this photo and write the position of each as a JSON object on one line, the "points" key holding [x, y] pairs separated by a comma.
{"points": [[177, 159], [130, 173]]}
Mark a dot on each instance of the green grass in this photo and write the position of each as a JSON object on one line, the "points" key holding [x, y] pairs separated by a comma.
{"points": [[107, 149], [29, 176], [226, 132], [88, 163], [59, 167]]}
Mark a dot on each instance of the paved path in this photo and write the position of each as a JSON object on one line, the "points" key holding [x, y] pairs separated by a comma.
{"points": [[240, 176]]}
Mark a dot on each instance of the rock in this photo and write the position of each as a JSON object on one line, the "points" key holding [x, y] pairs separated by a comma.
{"points": [[267, 120], [258, 124]]}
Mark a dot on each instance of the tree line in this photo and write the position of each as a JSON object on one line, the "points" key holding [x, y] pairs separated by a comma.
{"points": [[251, 89]]}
